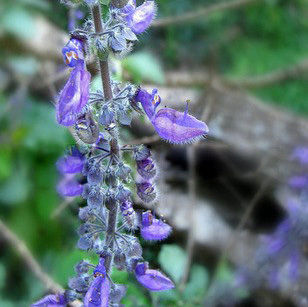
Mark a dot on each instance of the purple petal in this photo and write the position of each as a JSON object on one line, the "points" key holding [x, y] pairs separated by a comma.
{"points": [[294, 263], [301, 154], [72, 164], [152, 279], [98, 293], [73, 53], [142, 17], [51, 300], [298, 182], [129, 8], [178, 127], [158, 230], [74, 96], [69, 187], [146, 100]]}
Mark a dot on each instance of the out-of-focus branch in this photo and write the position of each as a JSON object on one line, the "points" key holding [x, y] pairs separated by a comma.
{"points": [[31, 262], [202, 12], [292, 72], [28, 258]]}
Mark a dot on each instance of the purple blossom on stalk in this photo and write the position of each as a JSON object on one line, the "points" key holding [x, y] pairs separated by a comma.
{"points": [[153, 280], [171, 125], [153, 229], [98, 293], [52, 300], [75, 94], [146, 168], [298, 182], [139, 18], [69, 186], [301, 154], [71, 164]]}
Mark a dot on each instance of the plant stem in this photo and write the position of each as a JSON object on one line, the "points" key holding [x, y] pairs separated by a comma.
{"points": [[105, 76]]}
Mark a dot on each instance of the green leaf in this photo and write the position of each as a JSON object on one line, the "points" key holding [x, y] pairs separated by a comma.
{"points": [[143, 66], [172, 258], [2, 275], [5, 163], [18, 22], [16, 189], [198, 282]]}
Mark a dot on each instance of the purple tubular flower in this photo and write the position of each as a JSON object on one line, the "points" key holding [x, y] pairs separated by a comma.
{"points": [[52, 300], [69, 187], [71, 164], [153, 280], [141, 18], [153, 229], [74, 96], [171, 125], [98, 292]]}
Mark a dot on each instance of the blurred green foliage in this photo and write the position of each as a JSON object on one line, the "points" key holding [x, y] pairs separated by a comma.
{"points": [[248, 41]]}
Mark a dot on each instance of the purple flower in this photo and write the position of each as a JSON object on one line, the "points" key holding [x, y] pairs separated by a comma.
{"points": [[128, 213], [301, 154], [98, 292], [152, 279], [69, 187], [71, 164], [74, 96], [153, 229], [52, 300], [171, 125], [140, 18], [75, 93], [298, 182]]}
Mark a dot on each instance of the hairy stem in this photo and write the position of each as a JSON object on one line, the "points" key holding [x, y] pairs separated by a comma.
{"points": [[105, 76]]}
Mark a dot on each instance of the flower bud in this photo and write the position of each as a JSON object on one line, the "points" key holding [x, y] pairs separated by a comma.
{"points": [[120, 260], [95, 197], [146, 191], [110, 200], [107, 116], [123, 193], [82, 267], [110, 177], [141, 153], [79, 283], [87, 129], [85, 243], [146, 168], [95, 175], [123, 171]]}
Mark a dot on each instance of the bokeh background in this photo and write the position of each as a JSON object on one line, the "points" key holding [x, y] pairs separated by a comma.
{"points": [[242, 64]]}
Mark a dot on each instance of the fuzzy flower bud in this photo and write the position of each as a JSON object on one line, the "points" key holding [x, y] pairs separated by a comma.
{"points": [[146, 191], [153, 280], [146, 168]]}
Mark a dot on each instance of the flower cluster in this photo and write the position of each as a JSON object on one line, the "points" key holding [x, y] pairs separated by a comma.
{"points": [[109, 221]]}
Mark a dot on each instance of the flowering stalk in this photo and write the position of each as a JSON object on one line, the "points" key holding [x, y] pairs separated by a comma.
{"points": [[109, 219]]}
